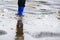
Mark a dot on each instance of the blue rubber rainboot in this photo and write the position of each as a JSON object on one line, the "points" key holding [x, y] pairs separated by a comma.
{"points": [[20, 11]]}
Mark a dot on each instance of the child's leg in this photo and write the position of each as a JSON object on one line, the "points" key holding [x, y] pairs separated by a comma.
{"points": [[20, 11], [21, 5], [21, 2]]}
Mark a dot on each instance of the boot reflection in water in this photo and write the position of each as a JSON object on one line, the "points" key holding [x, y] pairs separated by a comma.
{"points": [[19, 28]]}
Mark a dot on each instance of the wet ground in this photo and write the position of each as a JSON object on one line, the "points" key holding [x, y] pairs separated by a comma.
{"points": [[41, 20]]}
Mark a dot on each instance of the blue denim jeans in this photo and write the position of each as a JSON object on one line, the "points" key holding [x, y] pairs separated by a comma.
{"points": [[20, 11]]}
